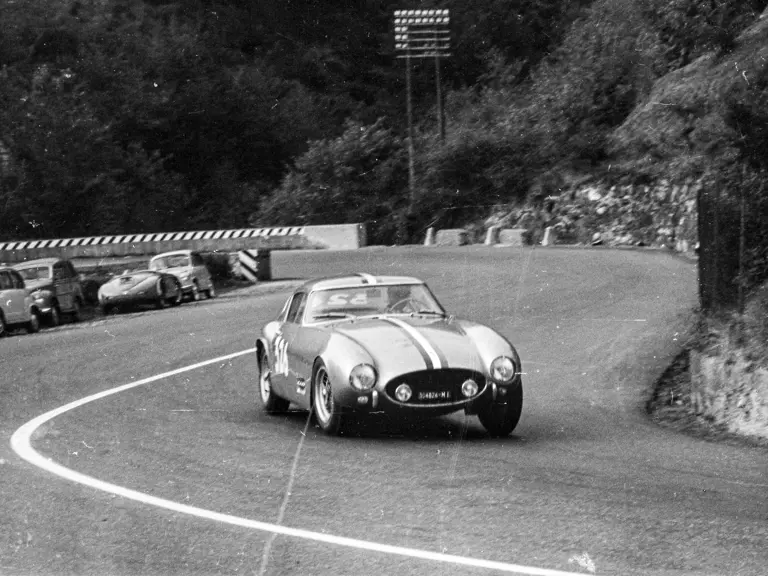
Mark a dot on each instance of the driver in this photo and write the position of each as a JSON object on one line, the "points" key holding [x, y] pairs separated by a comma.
{"points": [[399, 296]]}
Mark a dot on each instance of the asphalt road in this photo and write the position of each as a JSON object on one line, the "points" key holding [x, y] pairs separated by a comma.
{"points": [[585, 474]]}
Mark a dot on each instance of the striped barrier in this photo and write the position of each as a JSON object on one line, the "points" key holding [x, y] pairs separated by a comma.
{"points": [[335, 237], [157, 237], [255, 265]]}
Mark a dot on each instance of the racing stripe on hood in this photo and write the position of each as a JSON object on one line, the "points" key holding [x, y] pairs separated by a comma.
{"points": [[431, 356]]}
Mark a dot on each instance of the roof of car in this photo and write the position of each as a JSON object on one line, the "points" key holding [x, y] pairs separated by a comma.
{"points": [[355, 280], [37, 262], [173, 253]]}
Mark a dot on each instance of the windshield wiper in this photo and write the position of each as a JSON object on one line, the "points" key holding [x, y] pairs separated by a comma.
{"points": [[431, 312], [331, 315]]}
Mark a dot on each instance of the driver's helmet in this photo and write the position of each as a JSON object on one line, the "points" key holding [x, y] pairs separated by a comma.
{"points": [[398, 293]]}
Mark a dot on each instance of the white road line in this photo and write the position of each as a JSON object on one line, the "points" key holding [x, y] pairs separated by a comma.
{"points": [[22, 445]]}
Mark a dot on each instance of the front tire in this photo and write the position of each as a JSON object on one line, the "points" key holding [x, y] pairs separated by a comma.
{"points": [[500, 419], [3, 326], [328, 414], [271, 403], [176, 300], [211, 292]]}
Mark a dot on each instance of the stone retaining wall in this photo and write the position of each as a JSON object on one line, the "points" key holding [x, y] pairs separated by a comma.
{"points": [[731, 391]]}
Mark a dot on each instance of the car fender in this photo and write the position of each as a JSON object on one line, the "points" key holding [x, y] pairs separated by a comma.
{"points": [[340, 355], [490, 344]]}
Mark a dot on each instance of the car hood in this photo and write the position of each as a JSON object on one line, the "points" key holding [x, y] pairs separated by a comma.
{"points": [[127, 282], [40, 284], [407, 344]]}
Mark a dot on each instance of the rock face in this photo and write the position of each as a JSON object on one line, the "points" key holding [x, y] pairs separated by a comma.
{"points": [[662, 215]]}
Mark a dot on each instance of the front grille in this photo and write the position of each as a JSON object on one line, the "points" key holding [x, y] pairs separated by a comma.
{"points": [[435, 386]]}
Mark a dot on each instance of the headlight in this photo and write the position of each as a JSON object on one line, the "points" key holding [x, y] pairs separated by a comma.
{"points": [[363, 377], [503, 369]]}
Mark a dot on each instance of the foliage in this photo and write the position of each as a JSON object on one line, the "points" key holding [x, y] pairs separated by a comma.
{"points": [[361, 176]]}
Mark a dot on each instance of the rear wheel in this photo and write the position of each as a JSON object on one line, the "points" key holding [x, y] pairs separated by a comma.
{"points": [[272, 403], [33, 325], [176, 300], [195, 292], [328, 414], [76, 310], [54, 318], [3, 326], [500, 419], [211, 292]]}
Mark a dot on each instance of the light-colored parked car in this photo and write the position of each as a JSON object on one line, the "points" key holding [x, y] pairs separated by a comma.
{"points": [[17, 308], [55, 286], [188, 266]]}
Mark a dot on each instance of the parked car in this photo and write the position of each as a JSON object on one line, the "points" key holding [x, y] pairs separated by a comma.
{"points": [[188, 266], [371, 344], [140, 287], [17, 308], [55, 286]]}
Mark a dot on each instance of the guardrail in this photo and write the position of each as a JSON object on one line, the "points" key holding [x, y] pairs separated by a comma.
{"points": [[333, 237]]}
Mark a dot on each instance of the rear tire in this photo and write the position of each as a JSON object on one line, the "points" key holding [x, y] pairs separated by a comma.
{"points": [[75, 314], [271, 402], [34, 322], [211, 292], [328, 414], [176, 300], [54, 318], [500, 419], [195, 296], [3, 326]]}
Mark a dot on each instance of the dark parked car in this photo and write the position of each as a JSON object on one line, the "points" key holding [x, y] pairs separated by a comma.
{"points": [[140, 287]]}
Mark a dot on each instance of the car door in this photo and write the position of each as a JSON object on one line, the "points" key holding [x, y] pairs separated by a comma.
{"points": [[13, 298], [283, 373]]}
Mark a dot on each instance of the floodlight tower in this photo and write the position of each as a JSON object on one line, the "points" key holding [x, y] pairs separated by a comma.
{"points": [[422, 34]]}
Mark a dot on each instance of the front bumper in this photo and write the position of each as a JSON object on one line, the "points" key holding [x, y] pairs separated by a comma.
{"points": [[378, 401]]}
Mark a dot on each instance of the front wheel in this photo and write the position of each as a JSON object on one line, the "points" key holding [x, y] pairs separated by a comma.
{"points": [[328, 414], [211, 292], [500, 419], [272, 403]]}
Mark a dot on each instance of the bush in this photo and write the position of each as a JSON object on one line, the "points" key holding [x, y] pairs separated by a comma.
{"points": [[218, 264]]}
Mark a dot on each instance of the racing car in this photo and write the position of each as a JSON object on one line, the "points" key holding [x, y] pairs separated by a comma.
{"points": [[364, 343]]}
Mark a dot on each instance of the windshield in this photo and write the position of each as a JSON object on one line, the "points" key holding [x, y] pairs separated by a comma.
{"points": [[36, 273], [169, 262], [366, 300]]}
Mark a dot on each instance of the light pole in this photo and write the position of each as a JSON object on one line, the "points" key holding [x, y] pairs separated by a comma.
{"points": [[422, 34]]}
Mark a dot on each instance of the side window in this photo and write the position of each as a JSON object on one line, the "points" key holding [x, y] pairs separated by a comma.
{"points": [[16, 280], [297, 308], [5, 281]]}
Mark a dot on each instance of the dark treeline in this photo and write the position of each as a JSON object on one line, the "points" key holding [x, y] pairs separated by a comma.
{"points": [[120, 116]]}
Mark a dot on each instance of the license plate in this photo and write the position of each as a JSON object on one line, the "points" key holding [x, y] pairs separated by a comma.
{"points": [[435, 395]]}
